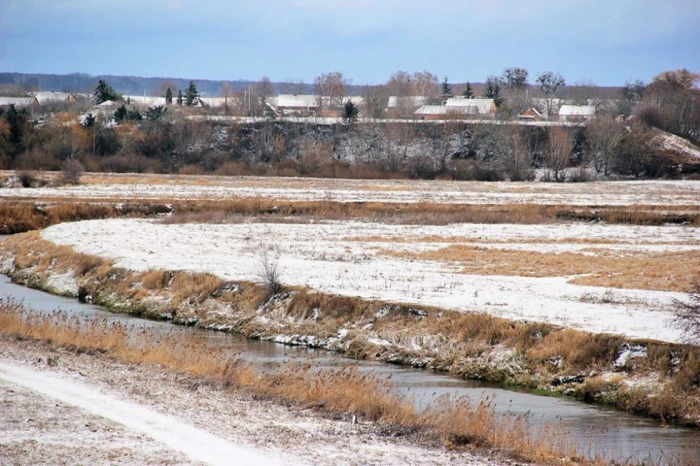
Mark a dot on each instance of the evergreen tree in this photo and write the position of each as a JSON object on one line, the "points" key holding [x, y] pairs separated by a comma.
{"points": [[446, 88], [179, 97], [120, 113], [168, 97], [191, 94], [468, 92], [104, 92], [155, 113], [350, 112], [492, 90]]}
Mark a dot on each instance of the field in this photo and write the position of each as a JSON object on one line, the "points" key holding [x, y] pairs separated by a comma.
{"points": [[519, 283], [509, 249]]}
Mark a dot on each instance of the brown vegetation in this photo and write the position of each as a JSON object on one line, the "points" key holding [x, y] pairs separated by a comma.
{"points": [[470, 345], [456, 422], [663, 271]]}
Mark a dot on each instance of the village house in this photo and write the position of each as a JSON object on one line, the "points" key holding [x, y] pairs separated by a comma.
{"points": [[17, 101], [576, 113], [531, 114]]}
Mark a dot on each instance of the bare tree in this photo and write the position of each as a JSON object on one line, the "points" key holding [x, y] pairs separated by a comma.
{"points": [[604, 135], [688, 315], [260, 94], [512, 152], [227, 94], [268, 271], [376, 99], [550, 85], [400, 84], [558, 155], [293, 87], [425, 84], [333, 87]]}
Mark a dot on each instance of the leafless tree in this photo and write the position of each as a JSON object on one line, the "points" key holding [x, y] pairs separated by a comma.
{"points": [[293, 87], [260, 94], [71, 171], [558, 155], [604, 135], [331, 86], [512, 152], [550, 84], [269, 271], [227, 94], [400, 84], [426, 84], [376, 99], [688, 315]]}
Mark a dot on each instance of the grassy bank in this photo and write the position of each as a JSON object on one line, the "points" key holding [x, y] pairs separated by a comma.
{"points": [[658, 379], [21, 215], [454, 423]]}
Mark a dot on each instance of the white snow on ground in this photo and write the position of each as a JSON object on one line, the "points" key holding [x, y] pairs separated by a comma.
{"points": [[397, 191], [196, 443], [315, 255], [678, 145]]}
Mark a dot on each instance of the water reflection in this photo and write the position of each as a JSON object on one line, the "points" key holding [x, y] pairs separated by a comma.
{"points": [[594, 428]]}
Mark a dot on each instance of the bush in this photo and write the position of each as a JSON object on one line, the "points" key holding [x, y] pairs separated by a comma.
{"points": [[269, 272], [71, 171]]}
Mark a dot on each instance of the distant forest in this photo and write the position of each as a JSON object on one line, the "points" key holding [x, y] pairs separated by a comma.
{"points": [[136, 85], [127, 85]]}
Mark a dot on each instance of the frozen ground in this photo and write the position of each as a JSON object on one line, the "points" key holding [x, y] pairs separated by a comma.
{"points": [[164, 188], [85, 409], [333, 257]]}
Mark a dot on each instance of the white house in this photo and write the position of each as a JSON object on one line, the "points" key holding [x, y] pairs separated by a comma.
{"points": [[483, 107], [576, 112]]}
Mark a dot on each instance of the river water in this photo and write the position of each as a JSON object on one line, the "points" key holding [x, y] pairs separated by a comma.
{"points": [[595, 429]]}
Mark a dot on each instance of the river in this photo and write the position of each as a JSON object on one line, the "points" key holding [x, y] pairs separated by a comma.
{"points": [[617, 435]]}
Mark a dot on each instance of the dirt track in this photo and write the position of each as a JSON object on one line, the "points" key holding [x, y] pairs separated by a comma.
{"points": [[39, 429]]}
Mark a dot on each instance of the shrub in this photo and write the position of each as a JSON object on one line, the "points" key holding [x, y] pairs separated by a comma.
{"points": [[71, 171]]}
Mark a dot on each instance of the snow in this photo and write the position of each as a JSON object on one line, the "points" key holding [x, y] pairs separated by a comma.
{"points": [[320, 257], [198, 444], [622, 193], [678, 145]]}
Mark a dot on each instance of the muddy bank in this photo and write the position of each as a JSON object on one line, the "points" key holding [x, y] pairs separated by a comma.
{"points": [[652, 378]]}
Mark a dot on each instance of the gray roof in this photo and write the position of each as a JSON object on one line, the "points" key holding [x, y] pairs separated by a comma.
{"points": [[406, 101], [475, 106], [576, 110], [17, 101]]}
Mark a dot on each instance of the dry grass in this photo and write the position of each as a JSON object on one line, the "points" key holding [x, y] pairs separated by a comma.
{"points": [[464, 344], [342, 391], [663, 271], [21, 216]]}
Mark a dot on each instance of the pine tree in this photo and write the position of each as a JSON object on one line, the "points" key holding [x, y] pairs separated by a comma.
{"points": [[446, 88], [104, 92], [493, 90], [179, 97], [350, 112], [468, 92], [168, 97], [191, 94]]}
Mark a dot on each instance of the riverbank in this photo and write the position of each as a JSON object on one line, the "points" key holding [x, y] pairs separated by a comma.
{"points": [[644, 376], [40, 429]]}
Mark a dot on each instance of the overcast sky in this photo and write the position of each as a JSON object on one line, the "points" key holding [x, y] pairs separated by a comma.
{"points": [[607, 42]]}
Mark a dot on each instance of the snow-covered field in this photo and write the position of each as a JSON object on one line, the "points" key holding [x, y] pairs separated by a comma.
{"points": [[346, 258], [162, 187]]}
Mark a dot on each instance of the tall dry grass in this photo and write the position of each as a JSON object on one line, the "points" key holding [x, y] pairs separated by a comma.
{"points": [[662, 271], [470, 345], [347, 390]]}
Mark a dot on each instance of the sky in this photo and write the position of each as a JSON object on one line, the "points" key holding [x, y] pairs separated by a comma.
{"points": [[605, 42]]}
